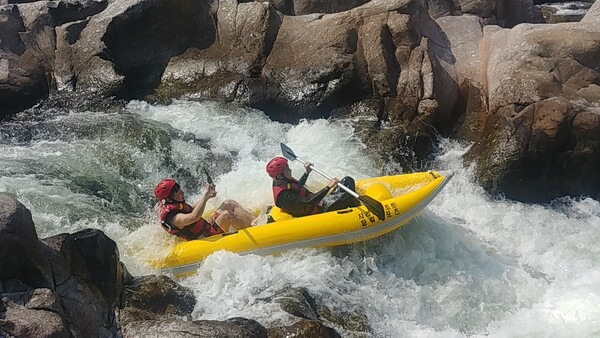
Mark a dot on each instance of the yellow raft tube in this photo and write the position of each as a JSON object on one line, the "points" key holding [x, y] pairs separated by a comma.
{"points": [[403, 197]]}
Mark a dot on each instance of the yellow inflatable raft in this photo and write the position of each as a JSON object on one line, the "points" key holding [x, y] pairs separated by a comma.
{"points": [[402, 196]]}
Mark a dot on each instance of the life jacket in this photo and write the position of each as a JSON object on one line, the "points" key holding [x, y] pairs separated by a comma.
{"points": [[280, 185], [195, 230]]}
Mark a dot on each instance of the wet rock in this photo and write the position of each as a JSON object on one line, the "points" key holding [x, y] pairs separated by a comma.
{"points": [[303, 329], [299, 303], [232, 328], [158, 295], [354, 321], [157, 306], [564, 12]]}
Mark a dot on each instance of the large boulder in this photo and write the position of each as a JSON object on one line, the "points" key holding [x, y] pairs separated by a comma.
{"points": [[316, 316], [69, 282], [22, 257], [389, 51], [465, 34], [303, 328], [27, 321], [540, 139], [155, 297], [245, 34], [302, 7], [105, 47], [501, 12], [27, 47], [131, 41]]}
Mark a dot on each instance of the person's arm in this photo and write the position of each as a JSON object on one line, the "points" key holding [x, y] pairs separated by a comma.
{"points": [[308, 168], [294, 204], [302, 180], [181, 220]]}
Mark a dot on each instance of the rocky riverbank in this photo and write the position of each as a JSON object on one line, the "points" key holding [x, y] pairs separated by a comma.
{"points": [[74, 285], [528, 96]]}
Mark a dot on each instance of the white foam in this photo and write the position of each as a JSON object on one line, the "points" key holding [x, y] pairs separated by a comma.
{"points": [[471, 265]]}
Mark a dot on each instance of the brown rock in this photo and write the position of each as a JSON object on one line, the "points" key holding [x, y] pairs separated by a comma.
{"points": [[231, 328], [302, 7], [244, 37], [152, 297], [45, 299], [540, 79], [19, 321], [303, 329], [15, 219]]}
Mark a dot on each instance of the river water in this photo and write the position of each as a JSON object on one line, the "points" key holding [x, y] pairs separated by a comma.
{"points": [[469, 266]]}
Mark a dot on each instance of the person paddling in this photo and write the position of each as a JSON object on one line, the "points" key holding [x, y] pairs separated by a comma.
{"points": [[183, 220], [293, 198]]}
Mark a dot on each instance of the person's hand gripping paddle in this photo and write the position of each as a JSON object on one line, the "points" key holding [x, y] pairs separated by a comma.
{"points": [[372, 204]]}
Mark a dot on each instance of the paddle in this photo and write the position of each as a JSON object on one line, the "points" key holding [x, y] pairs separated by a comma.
{"points": [[210, 181], [372, 204], [208, 178]]}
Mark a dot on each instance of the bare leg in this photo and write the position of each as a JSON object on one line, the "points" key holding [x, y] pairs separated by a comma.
{"points": [[233, 214]]}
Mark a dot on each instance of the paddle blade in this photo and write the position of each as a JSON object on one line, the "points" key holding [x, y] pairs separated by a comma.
{"points": [[373, 205], [287, 152]]}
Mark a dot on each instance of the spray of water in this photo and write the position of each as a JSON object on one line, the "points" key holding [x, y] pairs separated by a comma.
{"points": [[470, 265]]}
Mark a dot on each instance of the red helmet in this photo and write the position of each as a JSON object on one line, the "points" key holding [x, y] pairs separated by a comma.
{"points": [[276, 166], [163, 189]]}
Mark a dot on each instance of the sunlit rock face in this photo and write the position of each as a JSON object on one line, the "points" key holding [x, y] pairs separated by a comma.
{"points": [[541, 137]]}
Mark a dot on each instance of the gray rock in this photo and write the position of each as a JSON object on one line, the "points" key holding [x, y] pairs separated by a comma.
{"points": [[465, 34], [19, 321], [158, 295], [232, 328], [303, 329], [303, 7], [45, 299], [15, 219], [299, 303], [503, 13]]}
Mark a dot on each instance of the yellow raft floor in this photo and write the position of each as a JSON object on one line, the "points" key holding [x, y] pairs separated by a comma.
{"points": [[403, 197]]}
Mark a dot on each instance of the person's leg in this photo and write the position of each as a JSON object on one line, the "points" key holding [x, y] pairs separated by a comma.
{"points": [[223, 220], [239, 217], [342, 199]]}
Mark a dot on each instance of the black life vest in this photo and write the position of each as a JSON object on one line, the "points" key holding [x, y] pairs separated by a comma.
{"points": [[280, 185]]}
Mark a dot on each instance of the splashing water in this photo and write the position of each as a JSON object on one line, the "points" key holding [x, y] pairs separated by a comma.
{"points": [[470, 265]]}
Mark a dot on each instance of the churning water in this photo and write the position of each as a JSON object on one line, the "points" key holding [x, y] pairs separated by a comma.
{"points": [[470, 265]]}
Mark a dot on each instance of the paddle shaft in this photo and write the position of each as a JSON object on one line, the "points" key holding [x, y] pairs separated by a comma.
{"points": [[329, 178]]}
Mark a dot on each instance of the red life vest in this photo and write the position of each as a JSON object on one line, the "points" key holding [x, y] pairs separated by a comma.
{"points": [[195, 230], [279, 186]]}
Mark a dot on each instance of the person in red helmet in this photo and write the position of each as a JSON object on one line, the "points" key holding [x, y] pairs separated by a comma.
{"points": [[293, 198], [183, 220]]}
